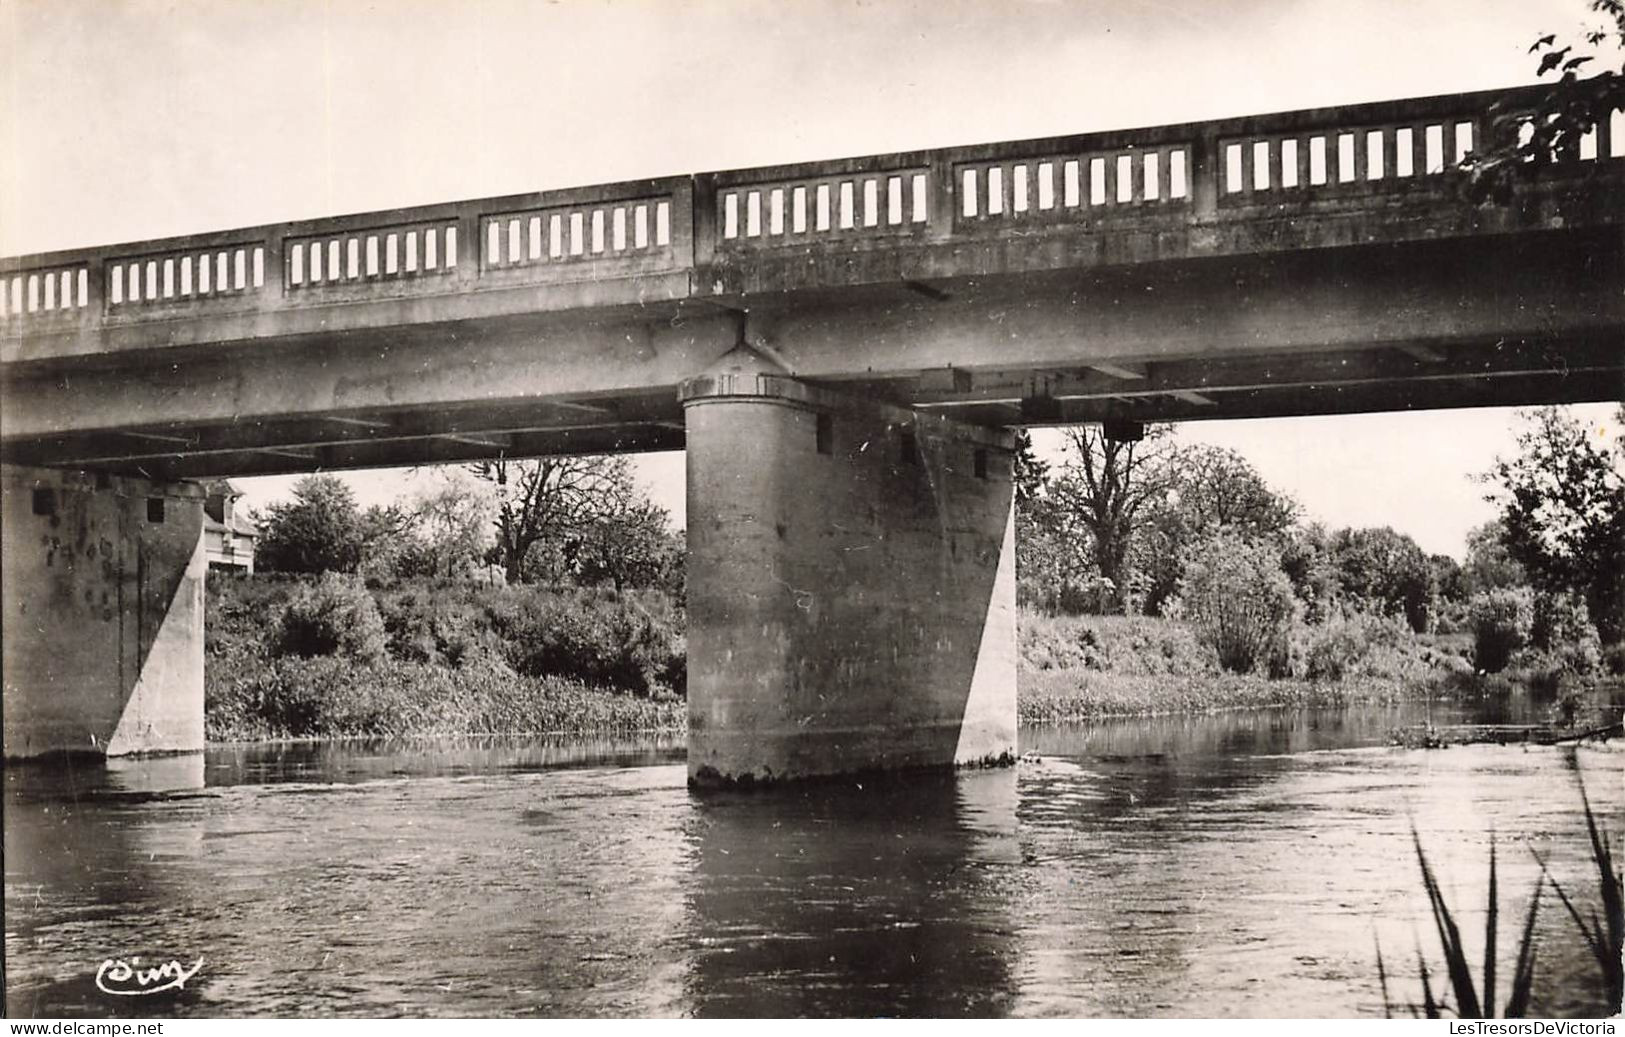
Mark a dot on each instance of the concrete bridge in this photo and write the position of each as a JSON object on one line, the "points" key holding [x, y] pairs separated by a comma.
{"points": [[840, 346]]}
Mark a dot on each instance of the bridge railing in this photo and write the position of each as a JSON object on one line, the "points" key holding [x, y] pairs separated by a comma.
{"points": [[587, 234], [1193, 172], [1155, 180], [1396, 147]]}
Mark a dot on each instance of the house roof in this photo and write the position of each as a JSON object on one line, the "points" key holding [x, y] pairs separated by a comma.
{"points": [[240, 526], [224, 487]]}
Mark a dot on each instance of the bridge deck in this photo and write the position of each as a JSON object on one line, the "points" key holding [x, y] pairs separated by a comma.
{"points": [[1298, 262]]}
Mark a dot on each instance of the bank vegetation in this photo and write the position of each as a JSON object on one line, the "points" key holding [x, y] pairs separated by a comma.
{"points": [[1155, 577]]}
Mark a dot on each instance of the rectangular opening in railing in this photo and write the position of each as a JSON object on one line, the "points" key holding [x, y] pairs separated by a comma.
{"points": [[577, 233], [398, 252], [1352, 159], [135, 283], [1072, 188], [1605, 140], [803, 209], [37, 294]]}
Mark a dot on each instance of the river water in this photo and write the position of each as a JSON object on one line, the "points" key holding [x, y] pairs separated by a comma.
{"points": [[1243, 864]]}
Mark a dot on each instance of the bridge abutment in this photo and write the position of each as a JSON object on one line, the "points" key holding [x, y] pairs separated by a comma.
{"points": [[851, 583], [102, 580]]}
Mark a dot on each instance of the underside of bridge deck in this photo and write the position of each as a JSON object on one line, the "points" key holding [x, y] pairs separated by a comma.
{"points": [[1520, 320]]}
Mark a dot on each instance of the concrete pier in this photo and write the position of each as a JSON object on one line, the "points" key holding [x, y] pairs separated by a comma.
{"points": [[851, 595], [102, 580]]}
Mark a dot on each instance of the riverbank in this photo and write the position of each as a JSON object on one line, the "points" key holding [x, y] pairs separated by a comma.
{"points": [[1083, 668], [1065, 697], [1075, 668], [339, 698], [332, 658], [295, 657]]}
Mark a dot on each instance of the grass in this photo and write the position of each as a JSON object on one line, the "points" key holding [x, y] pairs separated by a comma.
{"points": [[329, 697], [1083, 668], [1069, 697], [451, 658], [1476, 999], [1469, 1004], [1079, 668], [1605, 936], [302, 658], [1134, 646]]}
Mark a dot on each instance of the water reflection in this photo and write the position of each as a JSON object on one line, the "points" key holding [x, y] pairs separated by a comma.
{"points": [[855, 900], [369, 760], [1252, 862], [1241, 864], [1218, 736], [79, 864], [155, 775]]}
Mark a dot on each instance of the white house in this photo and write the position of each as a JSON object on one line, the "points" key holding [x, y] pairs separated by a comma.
{"points": [[228, 537]]}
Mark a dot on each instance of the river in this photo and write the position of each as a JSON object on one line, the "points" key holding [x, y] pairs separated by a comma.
{"points": [[1241, 864]]}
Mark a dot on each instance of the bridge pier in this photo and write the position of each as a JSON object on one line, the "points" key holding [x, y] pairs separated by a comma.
{"points": [[851, 582], [102, 644]]}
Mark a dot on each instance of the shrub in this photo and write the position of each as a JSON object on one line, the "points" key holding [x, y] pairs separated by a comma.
{"points": [[1360, 644], [240, 612], [630, 640], [1500, 621], [1137, 646], [1365, 646], [1583, 659], [1332, 649], [1613, 659], [1451, 618], [625, 639], [335, 696], [438, 623], [1063, 595], [1560, 624], [1239, 602], [336, 616], [291, 656], [1564, 672]]}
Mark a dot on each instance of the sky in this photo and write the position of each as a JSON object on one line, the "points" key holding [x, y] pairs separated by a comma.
{"points": [[132, 119]]}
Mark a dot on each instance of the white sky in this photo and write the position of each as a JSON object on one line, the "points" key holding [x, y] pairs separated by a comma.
{"points": [[148, 118]]}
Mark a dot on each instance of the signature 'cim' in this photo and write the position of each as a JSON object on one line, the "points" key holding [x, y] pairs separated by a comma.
{"points": [[128, 979]]}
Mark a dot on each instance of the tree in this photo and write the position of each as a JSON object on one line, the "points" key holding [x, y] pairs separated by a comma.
{"points": [[319, 530], [390, 547], [1563, 511], [629, 544], [548, 499], [1209, 488], [1306, 557], [1054, 572], [453, 520], [1490, 566], [1449, 579], [1029, 474], [1523, 143], [1106, 487], [1216, 486], [1383, 571], [1238, 600]]}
